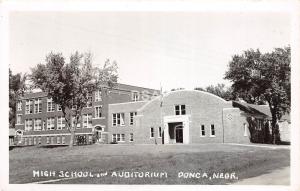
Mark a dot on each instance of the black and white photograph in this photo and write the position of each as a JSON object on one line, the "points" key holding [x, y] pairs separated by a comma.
{"points": [[160, 94]]}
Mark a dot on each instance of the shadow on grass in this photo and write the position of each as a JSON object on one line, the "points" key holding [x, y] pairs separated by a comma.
{"points": [[285, 143]]}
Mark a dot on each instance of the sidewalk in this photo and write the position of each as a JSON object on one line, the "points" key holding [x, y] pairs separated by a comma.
{"points": [[277, 177], [262, 145]]}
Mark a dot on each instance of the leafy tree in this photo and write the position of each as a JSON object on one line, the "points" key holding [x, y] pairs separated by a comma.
{"points": [[218, 90], [176, 89], [263, 78], [70, 84], [17, 87], [199, 88]]}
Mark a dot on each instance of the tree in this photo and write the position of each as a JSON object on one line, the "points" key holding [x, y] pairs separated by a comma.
{"points": [[218, 90], [70, 84], [17, 87], [263, 78]]}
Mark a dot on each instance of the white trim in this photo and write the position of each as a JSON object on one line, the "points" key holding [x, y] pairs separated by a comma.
{"points": [[130, 102], [99, 118], [62, 134], [103, 126]]}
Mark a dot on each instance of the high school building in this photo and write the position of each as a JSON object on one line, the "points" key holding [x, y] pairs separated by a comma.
{"points": [[41, 122], [134, 115]]}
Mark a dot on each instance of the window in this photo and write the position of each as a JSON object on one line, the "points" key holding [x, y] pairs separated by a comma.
{"points": [[38, 106], [89, 101], [59, 108], [63, 140], [29, 141], [122, 137], [202, 131], [151, 132], [48, 140], [87, 121], [19, 106], [25, 141], [131, 117], [28, 124], [98, 95], [50, 105], [98, 111], [40, 140], [19, 119], [118, 119], [58, 140], [131, 137], [29, 107], [159, 132], [52, 140], [135, 96], [61, 123], [245, 130], [114, 138], [180, 110], [90, 139], [50, 123], [118, 137], [37, 124], [34, 140], [73, 121], [212, 130]]}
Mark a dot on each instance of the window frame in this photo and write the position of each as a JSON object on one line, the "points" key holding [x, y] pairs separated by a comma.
{"points": [[60, 123], [131, 117], [180, 109], [135, 96], [86, 118], [50, 105], [116, 119], [98, 113], [19, 119], [58, 140], [49, 127], [152, 133], [26, 124], [131, 137], [212, 130], [159, 132], [37, 105], [19, 105], [98, 95], [202, 131], [89, 102], [35, 124]]}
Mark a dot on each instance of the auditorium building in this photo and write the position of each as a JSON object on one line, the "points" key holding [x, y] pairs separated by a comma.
{"points": [[135, 115]]}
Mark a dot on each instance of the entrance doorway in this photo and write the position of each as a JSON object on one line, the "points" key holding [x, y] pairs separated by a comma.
{"points": [[179, 134], [98, 132], [176, 132]]}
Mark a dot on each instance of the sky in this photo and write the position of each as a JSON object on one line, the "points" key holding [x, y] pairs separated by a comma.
{"points": [[152, 49]]}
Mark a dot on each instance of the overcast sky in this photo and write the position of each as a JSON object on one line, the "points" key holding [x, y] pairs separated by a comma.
{"points": [[175, 49]]}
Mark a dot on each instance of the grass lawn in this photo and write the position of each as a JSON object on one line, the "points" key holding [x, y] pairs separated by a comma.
{"points": [[244, 161]]}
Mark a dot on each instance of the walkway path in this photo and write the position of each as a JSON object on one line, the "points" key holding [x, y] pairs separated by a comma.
{"points": [[277, 177]]}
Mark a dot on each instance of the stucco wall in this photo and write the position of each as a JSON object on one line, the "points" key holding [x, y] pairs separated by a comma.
{"points": [[234, 126]]}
